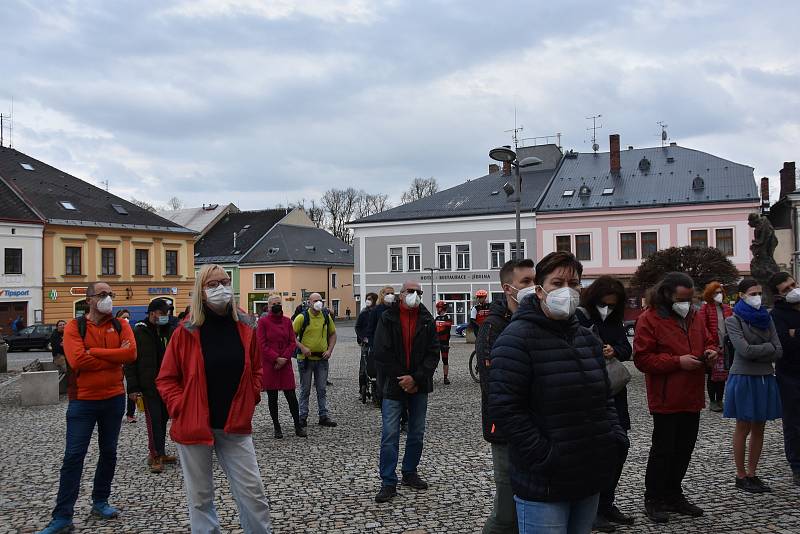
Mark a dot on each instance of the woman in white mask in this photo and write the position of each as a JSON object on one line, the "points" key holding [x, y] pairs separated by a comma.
{"points": [[548, 389], [713, 314], [602, 310], [210, 380], [386, 299]]}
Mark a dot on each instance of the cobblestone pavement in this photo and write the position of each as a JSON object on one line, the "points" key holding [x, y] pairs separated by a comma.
{"points": [[327, 482]]}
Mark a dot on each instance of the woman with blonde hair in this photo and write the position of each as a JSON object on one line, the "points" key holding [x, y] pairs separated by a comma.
{"points": [[713, 314], [210, 380]]}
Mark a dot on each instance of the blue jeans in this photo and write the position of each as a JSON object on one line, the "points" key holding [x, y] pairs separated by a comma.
{"points": [[390, 436], [82, 416], [574, 517], [319, 368]]}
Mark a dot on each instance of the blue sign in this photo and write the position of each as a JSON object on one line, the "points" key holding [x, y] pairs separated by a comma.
{"points": [[162, 290], [15, 293]]}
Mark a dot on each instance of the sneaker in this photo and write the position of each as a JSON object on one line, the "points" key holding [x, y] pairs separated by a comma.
{"points": [[327, 421], [614, 515], [446, 381], [758, 483], [58, 526], [303, 422], [104, 510], [681, 505], [131, 419], [386, 494], [716, 406], [156, 466], [412, 480], [601, 524], [278, 433], [656, 511], [300, 432], [168, 459]]}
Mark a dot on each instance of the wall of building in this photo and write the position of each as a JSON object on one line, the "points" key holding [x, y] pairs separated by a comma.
{"points": [[785, 249], [21, 293]]}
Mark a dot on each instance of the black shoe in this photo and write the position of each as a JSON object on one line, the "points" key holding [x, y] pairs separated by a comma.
{"points": [[758, 483], [656, 511], [362, 394], [404, 427], [386, 494], [328, 383], [615, 516], [680, 505], [300, 432], [747, 484], [412, 480], [303, 422], [601, 524], [796, 478], [446, 381], [278, 433], [327, 421]]}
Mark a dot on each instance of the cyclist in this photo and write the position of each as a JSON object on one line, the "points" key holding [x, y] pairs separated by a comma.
{"points": [[443, 324], [479, 312]]}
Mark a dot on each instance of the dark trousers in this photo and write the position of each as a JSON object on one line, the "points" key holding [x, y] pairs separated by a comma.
{"points": [[607, 495], [155, 412], [291, 398], [789, 387], [674, 437], [715, 390], [82, 416]]}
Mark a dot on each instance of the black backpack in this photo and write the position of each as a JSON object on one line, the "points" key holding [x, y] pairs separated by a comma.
{"points": [[307, 320], [82, 325], [729, 349]]}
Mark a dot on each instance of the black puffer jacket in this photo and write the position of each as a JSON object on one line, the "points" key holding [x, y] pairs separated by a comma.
{"points": [[549, 395], [492, 327], [390, 354], [787, 317], [151, 344]]}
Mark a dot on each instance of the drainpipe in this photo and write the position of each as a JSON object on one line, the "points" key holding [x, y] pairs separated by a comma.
{"points": [[328, 291], [796, 232]]}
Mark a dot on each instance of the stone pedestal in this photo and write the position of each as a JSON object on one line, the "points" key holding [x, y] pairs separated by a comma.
{"points": [[39, 387]]}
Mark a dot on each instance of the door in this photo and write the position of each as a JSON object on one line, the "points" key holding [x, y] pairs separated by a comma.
{"points": [[9, 311], [335, 308]]}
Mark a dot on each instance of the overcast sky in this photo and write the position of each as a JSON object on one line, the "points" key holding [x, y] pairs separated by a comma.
{"points": [[264, 102]]}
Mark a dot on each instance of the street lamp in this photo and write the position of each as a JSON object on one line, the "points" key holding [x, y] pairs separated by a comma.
{"points": [[504, 154], [433, 294]]}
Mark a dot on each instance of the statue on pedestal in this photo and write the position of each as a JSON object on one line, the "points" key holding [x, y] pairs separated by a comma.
{"points": [[763, 246]]}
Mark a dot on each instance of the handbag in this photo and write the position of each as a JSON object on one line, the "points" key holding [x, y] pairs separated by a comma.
{"points": [[618, 375]]}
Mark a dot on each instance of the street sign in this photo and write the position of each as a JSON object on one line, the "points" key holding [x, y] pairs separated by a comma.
{"points": [[77, 291]]}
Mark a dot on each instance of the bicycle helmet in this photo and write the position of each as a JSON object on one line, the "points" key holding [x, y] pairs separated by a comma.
{"points": [[481, 293], [441, 304]]}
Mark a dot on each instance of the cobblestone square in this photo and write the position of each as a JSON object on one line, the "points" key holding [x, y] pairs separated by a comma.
{"points": [[327, 482]]}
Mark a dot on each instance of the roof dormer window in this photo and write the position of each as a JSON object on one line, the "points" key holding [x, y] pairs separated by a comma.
{"points": [[67, 205], [568, 193], [698, 184], [119, 208], [584, 191], [26, 166]]}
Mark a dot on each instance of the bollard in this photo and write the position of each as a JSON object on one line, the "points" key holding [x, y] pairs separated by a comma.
{"points": [[39, 387]]}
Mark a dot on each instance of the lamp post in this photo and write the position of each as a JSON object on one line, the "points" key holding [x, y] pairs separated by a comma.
{"points": [[433, 294], [504, 154]]}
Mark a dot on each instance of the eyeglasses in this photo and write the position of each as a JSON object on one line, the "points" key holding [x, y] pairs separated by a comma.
{"points": [[417, 291], [103, 294], [211, 284]]}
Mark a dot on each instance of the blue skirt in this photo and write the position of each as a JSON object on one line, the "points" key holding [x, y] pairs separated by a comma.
{"points": [[752, 398]]}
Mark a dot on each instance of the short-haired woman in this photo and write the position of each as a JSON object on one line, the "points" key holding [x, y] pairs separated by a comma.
{"points": [[752, 391], [713, 315], [211, 381], [548, 395]]}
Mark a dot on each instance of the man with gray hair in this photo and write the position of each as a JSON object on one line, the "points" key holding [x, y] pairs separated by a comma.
{"points": [[406, 355]]}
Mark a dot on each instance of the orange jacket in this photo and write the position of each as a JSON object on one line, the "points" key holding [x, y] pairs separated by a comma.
{"points": [[96, 361]]}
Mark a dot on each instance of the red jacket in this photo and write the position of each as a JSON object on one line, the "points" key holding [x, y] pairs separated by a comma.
{"points": [[182, 384], [276, 339], [708, 315], [659, 343]]}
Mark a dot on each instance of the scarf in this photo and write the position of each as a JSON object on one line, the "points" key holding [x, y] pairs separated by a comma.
{"points": [[758, 318]]}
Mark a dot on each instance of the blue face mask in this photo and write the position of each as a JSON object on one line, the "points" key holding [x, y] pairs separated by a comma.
{"points": [[164, 319]]}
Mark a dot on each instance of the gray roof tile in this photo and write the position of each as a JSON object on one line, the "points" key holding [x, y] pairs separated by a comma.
{"points": [[287, 243]]}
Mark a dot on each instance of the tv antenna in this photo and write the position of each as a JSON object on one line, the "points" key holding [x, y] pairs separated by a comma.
{"points": [[516, 130], [594, 128], [664, 136], [105, 183]]}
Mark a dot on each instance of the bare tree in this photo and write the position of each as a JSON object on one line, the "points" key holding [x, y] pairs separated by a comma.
{"points": [[174, 203], [144, 205], [313, 210], [339, 206], [371, 204], [420, 188]]}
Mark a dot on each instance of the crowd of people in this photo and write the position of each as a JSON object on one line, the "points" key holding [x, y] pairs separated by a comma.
{"points": [[554, 400]]}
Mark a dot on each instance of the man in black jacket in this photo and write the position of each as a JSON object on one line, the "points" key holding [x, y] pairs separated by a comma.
{"points": [[786, 315], [514, 277], [362, 322], [406, 355], [152, 336]]}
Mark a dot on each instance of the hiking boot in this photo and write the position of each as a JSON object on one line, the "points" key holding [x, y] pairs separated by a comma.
{"points": [[156, 466], [681, 505], [278, 433], [412, 480], [327, 421], [104, 510], [386, 494], [656, 511], [58, 526], [601, 524], [300, 432], [614, 515], [758, 483], [168, 459], [446, 381]]}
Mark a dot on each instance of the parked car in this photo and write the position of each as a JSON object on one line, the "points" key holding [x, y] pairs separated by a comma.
{"points": [[31, 337], [461, 330]]}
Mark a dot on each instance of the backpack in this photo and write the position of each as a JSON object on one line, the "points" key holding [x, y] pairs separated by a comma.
{"points": [[307, 320], [729, 349], [82, 325]]}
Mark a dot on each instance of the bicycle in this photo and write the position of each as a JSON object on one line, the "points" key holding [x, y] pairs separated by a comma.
{"points": [[473, 366]]}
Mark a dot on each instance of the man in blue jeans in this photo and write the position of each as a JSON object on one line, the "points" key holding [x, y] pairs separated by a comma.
{"points": [[406, 355], [96, 346]]}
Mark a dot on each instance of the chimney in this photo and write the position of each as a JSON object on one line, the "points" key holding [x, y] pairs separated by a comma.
{"points": [[788, 183], [506, 168], [765, 191], [493, 167], [613, 142]]}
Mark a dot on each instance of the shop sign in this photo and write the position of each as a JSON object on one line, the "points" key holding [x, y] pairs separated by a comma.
{"points": [[162, 290], [78, 291], [14, 293], [53, 295]]}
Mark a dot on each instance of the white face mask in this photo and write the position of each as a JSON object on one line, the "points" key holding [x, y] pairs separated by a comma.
{"points": [[369, 302], [105, 305], [754, 301], [718, 298], [318, 305], [562, 302], [793, 296], [412, 300], [388, 298], [682, 308], [604, 311], [219, 297], [522, 293]]}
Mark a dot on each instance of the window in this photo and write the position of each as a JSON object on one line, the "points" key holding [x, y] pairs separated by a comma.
{"points": [[512, 247], [583, 247], [627, 246], [568, 193], [396, 259], [334, 279], [119, 208], [142, 262], [724, 240], [608, 191], [67, 205], [267, 280], [563, 243], [462, 257], [26, 166], [649, 244], [445, 253], [108, 261], [498, 253], [13, 261], [72, 256], [171, 262], [413, 255], [699, 238]]}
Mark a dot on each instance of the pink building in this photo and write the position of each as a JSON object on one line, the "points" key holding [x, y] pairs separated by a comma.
{"points": [[614, 209]]}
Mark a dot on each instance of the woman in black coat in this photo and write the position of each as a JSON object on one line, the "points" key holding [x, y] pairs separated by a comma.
{"points": [[602, 310]]}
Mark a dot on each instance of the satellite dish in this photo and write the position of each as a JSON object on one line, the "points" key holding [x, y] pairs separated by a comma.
{"points": [[663, 135], [595, 147]]}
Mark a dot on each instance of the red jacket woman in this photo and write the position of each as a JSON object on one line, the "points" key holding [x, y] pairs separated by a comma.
{"points": [[712, 311]]}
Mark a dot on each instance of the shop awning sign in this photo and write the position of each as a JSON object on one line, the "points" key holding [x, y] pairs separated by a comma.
{"points": [[12, 293]]}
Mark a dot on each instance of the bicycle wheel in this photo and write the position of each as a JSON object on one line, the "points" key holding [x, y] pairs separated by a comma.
{"points": [[473, 367]]}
